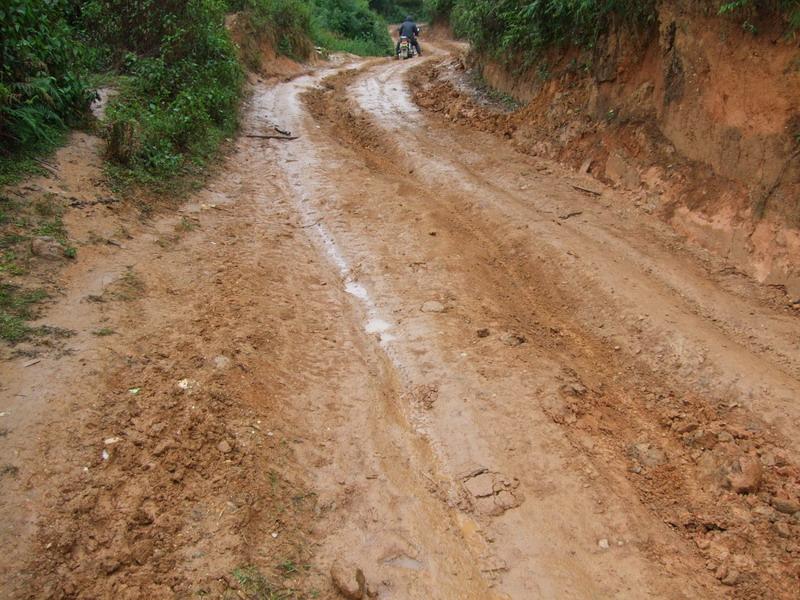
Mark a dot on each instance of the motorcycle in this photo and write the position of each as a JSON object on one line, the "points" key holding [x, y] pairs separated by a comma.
{"points": [[407, 49]]}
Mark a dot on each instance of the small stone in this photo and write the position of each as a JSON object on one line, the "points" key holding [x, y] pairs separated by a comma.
{"points": [[483, 333], [782, 529], [724, 437], [47, 247], [221, 362], [745, 475], [480, 486], [732, 578], [648, 455], [686, 427], [432, 306], [348, 580], [514, 339], [603, 544], [224, 447], [506, 500], [721, 572], [785, 505]]}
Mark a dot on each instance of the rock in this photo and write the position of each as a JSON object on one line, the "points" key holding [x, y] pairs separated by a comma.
{"points": [[432, 306], [483, 333], [221, 362], [513, 339], [505, 500], [701, 439], [603, 544], [480, 486], [348, 580], [685, 427], [622, 172], [648, 455], [785, 505], [783, 529], [224, 447], [724, 437], [732, 578], [745, 475], [47, 247]]}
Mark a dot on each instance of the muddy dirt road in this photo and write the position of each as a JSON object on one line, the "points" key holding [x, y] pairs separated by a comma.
{"points": [[487, 381]]}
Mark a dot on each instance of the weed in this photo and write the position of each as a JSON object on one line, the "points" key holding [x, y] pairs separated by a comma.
{"points": [[9, 470], [186, 224], [103, 332], [53, 228], [128, 287], [9, 263], [17, 307], [255, 585]]}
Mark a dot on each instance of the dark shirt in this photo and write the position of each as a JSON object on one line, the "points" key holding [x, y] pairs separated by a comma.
{"points": [[409, 29]]}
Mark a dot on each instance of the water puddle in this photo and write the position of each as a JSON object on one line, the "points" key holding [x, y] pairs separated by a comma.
{"points": [[404, 562], [298, 161]]}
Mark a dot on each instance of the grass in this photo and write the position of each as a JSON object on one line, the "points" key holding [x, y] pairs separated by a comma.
{"points": [[186, 224], [128, 287], [256, 585], [506, 101], [17, 306], [103, 332], [14, 167]]}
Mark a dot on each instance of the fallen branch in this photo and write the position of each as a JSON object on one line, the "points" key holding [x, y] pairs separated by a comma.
{"points": [[273, 137], [47, 166], [587, 190], [306, 226]]}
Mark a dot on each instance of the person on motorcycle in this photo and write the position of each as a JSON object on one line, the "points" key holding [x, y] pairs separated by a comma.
{"points": [[410, 30]]}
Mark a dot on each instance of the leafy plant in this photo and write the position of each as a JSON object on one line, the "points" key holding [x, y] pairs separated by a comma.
{"points": [[42, 84], [790, 9]]}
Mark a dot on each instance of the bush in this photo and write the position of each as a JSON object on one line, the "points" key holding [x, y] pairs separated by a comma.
{"points": [[517, 29], [183, 84], [42, 88], [350, 26], [285, 24], [395, 11], [789, 8]]}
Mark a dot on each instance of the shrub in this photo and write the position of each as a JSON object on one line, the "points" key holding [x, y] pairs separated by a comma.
{"points": [[285, 24], [183, 83], [42, 89], [350, 25], [790, 9]]}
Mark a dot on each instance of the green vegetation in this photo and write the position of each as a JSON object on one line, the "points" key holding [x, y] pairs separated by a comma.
{"points": [[751, 9], [350, 26], [519, 31], [395, 11], [17, 307], [175, 65], [42, 85], [182, 85], [256, 585]]}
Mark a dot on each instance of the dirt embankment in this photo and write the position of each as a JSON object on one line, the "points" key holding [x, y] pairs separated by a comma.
{"points": [[699, 117]]}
